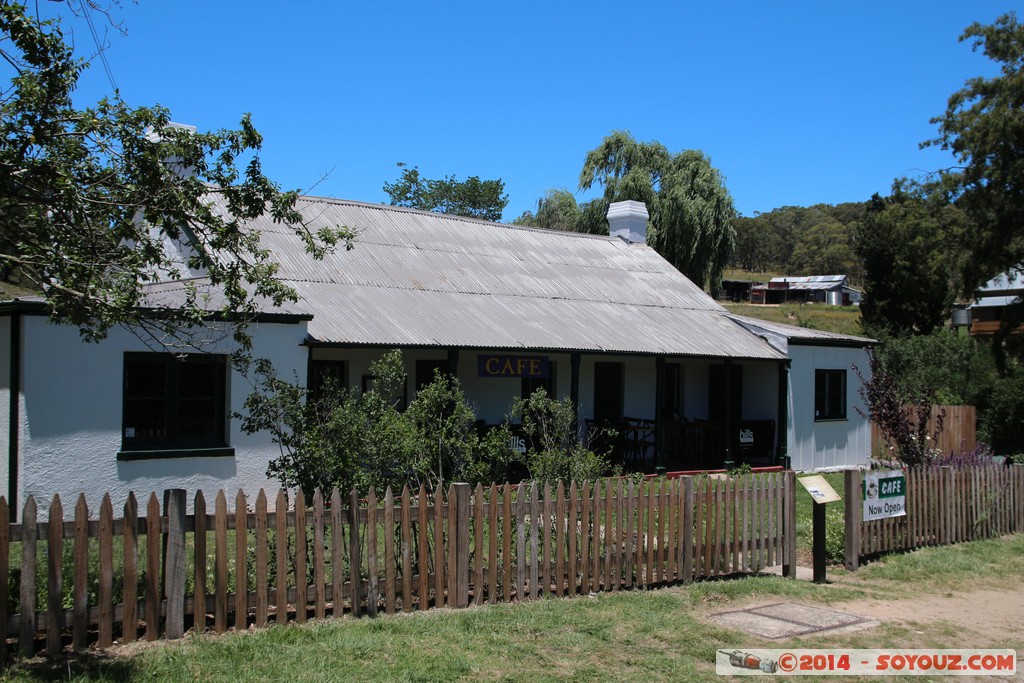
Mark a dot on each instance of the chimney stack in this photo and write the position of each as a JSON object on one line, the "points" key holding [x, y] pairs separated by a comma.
{"points": [[628, 220]]}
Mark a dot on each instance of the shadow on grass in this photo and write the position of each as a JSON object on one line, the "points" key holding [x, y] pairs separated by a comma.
{"points": [[92, 666]]}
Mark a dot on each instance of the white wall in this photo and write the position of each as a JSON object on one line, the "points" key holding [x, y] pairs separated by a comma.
{"points": [[72, 407], [835, 443], [5, 404]]}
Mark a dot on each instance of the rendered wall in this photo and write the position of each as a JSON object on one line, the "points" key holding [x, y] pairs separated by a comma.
{"points": [[72, 406], [5, 404], [834, 443]]}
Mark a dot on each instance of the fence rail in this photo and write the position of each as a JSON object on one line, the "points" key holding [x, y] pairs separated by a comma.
{"points": [[74, 581], [944, 505]]}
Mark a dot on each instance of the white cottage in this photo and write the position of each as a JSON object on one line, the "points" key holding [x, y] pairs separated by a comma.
{"points": [[603, 320]]}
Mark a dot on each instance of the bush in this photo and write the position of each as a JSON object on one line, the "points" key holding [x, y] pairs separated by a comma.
{"points": [[1001, 421], [554, 452], [352, 440]]}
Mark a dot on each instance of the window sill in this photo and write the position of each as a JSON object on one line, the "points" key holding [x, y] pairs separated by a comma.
{"points": [[128, 456], [831, 419]]}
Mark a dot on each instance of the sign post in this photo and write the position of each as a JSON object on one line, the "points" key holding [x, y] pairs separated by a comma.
{"points": [[821, 493]]}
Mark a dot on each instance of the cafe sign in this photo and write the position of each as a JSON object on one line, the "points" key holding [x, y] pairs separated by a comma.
{"points": [[884, 494], [513, 366]]}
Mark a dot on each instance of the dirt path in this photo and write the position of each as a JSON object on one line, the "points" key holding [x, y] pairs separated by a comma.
{"points": [[984, 618]]}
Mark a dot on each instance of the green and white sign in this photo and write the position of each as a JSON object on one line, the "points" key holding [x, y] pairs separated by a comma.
{"points": [[884, 494]]}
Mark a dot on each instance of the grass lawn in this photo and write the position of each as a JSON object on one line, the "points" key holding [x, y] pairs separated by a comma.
{"points": [[635, 635], [839, 319]]}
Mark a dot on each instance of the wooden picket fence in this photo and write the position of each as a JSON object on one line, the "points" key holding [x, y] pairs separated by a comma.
{"points": [[944, 505], [154, 576]]}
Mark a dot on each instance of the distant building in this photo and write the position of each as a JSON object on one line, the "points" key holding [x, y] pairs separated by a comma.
{"points": [[822, 289], [992, 300]]}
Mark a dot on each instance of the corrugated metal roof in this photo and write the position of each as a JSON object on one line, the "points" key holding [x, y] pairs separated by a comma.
{"points": [[792, 332], [420, 278]]}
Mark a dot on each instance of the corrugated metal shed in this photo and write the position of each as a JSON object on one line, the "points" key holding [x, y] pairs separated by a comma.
{"points": [[416, 278]]}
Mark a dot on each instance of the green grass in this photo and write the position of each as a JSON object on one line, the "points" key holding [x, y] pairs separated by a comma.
{"points": [[838, 319], [635, 635]]}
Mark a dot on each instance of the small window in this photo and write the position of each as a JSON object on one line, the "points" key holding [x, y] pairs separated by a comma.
{"points": [[830, 394], [173, 402], [324, 374]]}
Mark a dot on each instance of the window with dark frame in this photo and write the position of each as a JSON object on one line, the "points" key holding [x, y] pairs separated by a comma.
{"points": [[174, 402], [830, 394], [324, 374]]}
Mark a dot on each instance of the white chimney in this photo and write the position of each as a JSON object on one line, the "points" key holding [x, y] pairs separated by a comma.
{"points": [[628, 220]]}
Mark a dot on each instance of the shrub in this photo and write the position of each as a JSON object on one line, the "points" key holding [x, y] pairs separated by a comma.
{"points": [[1000, 423], [554, 452]]}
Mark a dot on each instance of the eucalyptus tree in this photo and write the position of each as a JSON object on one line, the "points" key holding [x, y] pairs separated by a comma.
{"points": [[473, 197], [691, 210]]}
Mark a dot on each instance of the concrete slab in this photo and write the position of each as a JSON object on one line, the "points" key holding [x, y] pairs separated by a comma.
{"points": [[812, 616], [786, 619]]}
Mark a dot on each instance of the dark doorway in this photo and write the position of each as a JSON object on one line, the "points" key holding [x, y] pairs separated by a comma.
{"points": [[608, 392], [717, 394]]}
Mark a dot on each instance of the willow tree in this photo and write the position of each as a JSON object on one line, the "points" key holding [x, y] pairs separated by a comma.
{"points": [[691, 210]]}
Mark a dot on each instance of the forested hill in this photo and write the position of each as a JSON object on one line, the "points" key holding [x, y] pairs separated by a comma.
{"points": [[796, 240]]}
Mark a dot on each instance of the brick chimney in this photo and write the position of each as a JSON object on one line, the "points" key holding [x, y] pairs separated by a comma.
{"points": [[628, 220]]}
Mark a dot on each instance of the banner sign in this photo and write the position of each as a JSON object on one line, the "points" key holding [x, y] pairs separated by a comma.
{"points": [[884, 494], [513, 366]]}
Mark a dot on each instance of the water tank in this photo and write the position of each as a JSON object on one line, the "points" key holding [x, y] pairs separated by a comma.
{"points": [[961, 316], [834, 298]]}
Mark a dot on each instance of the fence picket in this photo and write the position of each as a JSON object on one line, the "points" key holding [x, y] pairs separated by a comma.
{"points": [[299, 559], [152, 568], [423, 539], [571, 527], [319, 568], [27, 618], [439, 558], [506, 541], [54, 579], [651, 530], [607, 581], [281, 557], [521, 543], [220, 525], [560, 515], [492, 551], [479, 518], [129, 623], [535, 557], [406, 549], [199, 621], [373, 589], [354, 559], [105, 592], [337, 555], [390, 573], [80, 597], [451, 546], [262, 590], [546, 573], [241, 562]]}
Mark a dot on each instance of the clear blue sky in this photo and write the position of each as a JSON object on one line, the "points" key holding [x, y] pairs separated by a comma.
{"points": [[795, 103]]}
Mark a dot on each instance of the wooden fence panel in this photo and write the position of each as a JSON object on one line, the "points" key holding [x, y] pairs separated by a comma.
{"points": [[496, 543]]}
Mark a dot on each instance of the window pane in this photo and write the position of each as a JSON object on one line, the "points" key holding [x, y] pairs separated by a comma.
{"points": [[145, 378], [197, 380], [197, 417]]}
